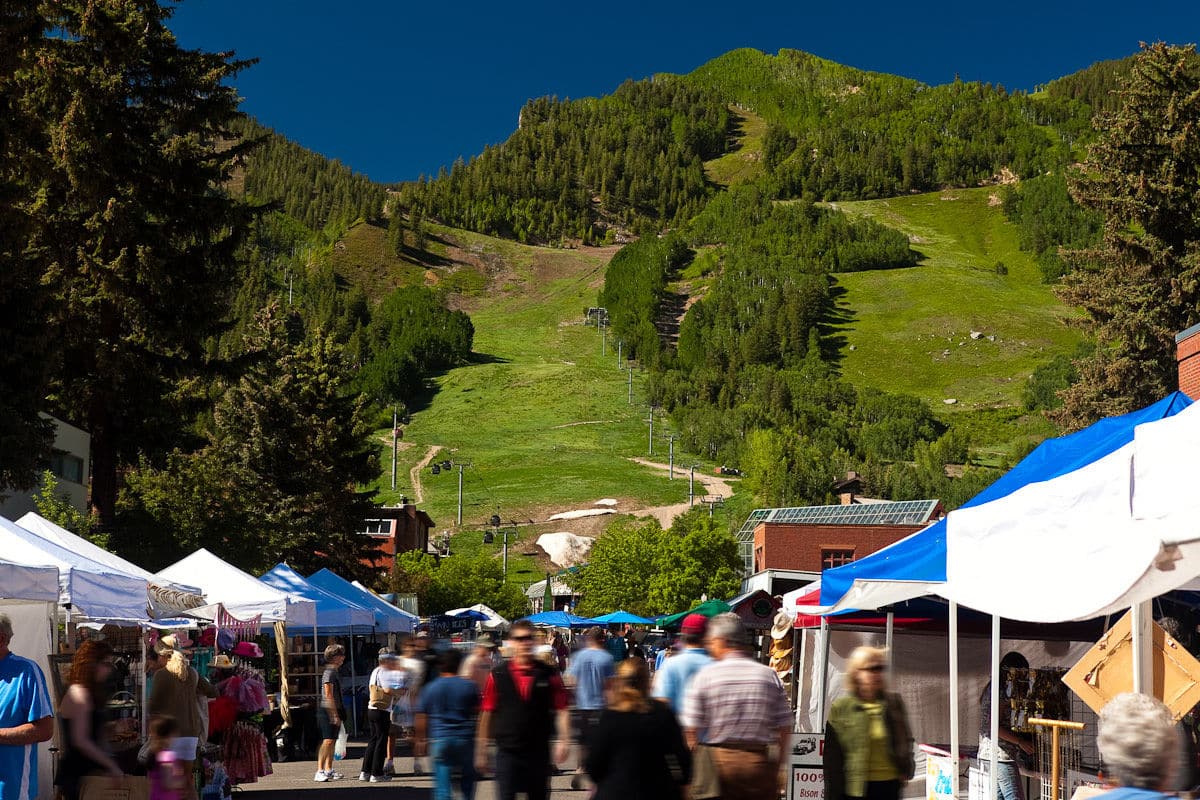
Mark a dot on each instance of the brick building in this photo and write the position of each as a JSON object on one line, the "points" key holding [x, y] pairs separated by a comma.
{"points": [[813, 538], [397, 529], [1187, 354]]}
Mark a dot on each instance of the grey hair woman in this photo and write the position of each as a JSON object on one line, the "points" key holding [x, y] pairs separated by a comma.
{"points": [[1139, 746]]}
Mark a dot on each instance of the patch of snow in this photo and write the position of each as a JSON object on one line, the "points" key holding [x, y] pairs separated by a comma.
{"points": [[583, 512], [566, 549], [950, 401], [608, 501]]}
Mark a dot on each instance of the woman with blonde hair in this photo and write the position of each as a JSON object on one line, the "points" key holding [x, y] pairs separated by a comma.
{"points": [[637, 749], [868, 743]]}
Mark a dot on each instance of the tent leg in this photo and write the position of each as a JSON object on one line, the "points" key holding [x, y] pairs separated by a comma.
{"points": [[888, 639], [795, 690], [1143, 664], [994, 701], [822, 680], [145, 687], [353, 686], [954, 739]]}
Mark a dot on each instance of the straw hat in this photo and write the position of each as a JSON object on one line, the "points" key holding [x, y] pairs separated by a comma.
{"points": [[782, 627], [222, 662]]}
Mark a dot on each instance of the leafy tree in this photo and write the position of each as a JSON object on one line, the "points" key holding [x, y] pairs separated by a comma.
{"points": [[129, 135], [1141, 284], [414, 572], [461, 581], [697, 556], [56, 507], [620, 569], [456, 582]]}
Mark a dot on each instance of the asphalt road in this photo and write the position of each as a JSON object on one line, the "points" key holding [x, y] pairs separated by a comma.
{"points": [[297, 776]]}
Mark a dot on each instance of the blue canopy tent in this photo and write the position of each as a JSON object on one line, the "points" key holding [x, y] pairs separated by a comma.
{"points": [[1076, 504], [388, 618], [916, 565], [560, 619], [334, 614], [623, 618]]}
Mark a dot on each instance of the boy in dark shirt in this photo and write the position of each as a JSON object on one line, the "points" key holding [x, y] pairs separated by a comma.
{"points": [[446, 714]]}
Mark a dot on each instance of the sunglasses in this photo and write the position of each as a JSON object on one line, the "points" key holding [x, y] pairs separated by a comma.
{"points": [[874, 668], [521, 638]]}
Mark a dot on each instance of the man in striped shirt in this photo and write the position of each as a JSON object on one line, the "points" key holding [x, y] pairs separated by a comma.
{"points": [[25, 719], [738, 709]]}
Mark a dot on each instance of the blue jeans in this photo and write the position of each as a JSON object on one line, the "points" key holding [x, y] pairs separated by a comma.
{"points": [[1008, 781], [450, 756]]}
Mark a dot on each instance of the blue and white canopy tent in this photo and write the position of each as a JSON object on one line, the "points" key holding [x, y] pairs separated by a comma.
{"points": [[388, 618], [1110, 513], [559, 619], [334, 614]]}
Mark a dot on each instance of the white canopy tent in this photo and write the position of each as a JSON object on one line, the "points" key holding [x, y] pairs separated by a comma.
{"points": [[94, 591], [494, 621], [243, 595]]}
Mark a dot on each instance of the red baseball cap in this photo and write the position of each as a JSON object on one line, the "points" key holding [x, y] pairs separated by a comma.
{"points": [[694, 624]]}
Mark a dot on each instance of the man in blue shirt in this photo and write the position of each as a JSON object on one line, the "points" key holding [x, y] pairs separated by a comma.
{"points": [[446, 713], [26, 718], [677, 672], [589, 673]]}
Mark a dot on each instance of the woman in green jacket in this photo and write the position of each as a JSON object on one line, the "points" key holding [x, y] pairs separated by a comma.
{"points": [[868, 744]]}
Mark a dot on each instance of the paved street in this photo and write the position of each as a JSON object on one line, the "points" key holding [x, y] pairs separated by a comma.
{"points": [[294, 776]]}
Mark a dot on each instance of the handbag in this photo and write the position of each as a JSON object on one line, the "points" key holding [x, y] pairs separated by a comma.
{"points": [[705, 784]]}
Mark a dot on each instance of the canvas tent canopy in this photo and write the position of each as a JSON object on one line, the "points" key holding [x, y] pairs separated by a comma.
{"points": [[94, 591], [28, 581], [559, 619], [1107, 507], [242, 595], [489, 619], [166, 599], [334, 614], [388, 618]]}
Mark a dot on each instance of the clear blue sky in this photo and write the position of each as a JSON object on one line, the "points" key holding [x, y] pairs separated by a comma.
{"points": [[396, 89]]}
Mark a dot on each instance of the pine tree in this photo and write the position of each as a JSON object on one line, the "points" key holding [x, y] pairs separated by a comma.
{"points": [[130, 225], [28, 352], [1141, 285]]}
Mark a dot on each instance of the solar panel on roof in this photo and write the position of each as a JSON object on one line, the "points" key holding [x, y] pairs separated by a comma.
{"points": [[903, 512]]}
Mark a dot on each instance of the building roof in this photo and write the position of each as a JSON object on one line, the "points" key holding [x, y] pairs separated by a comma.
{"points": [[904, 512]]}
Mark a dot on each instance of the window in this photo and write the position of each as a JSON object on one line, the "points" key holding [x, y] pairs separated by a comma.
{"points": [[836, 556], [67, 467], [376, 527]]}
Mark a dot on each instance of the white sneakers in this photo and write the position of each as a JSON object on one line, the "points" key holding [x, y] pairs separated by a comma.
{"points": [[322, 776]]}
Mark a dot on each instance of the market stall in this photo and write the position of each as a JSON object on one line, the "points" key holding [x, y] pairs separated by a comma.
{"points": [[1104, 505], [388, 618]]}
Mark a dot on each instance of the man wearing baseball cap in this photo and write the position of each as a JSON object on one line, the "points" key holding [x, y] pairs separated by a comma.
{"points": [[677, 672]]}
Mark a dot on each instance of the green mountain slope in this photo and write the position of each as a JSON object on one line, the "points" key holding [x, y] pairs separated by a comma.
{"points": [[910, 330], [542, 417]]}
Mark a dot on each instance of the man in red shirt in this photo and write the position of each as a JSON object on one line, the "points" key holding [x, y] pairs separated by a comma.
{"points": [[524, 701]]}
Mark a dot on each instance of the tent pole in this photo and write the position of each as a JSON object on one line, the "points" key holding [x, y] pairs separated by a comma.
{"points": [[822, 681], [353, 684], [994, 701], [1143, 647], [794, 690], [888, 639], [954, 739], [145, 686], [800, 663]]}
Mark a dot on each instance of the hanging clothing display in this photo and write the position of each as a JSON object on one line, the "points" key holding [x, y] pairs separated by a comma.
{"points": [[244, 753]]}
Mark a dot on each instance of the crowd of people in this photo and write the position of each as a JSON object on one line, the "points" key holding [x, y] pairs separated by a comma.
{"points": [[711, 721], [708, 722]]}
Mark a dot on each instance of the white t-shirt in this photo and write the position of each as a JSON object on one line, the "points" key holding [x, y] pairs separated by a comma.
{"points": [[388, 679]]}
